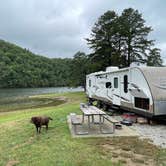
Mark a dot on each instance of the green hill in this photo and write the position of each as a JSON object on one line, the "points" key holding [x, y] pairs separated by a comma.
{"points": [[21, 68]]}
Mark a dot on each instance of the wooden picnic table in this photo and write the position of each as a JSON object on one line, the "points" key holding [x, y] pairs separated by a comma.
{"points": [[91, 111]]}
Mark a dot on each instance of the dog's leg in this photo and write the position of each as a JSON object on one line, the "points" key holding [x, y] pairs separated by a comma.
{"points": [[36, 128], [39, 129], [46, 127]]}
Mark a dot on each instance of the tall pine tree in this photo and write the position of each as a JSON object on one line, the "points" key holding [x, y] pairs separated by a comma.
{"points": [[121, 40], [103, 40], [134, 34], [154, 58]]}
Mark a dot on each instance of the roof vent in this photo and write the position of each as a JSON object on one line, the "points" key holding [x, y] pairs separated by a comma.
{"points": [[112, 68], [136, 64]]}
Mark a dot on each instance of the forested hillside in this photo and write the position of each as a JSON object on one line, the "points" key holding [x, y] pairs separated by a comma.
{"points": [[21, 68]]}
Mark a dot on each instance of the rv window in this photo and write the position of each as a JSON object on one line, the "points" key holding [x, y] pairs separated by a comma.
{"points": [[116, 82], [89, 83], [125, 81], [142, 103], [108, 85]]}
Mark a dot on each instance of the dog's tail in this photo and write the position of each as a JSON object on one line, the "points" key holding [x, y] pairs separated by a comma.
{"points": [[50, 118]]}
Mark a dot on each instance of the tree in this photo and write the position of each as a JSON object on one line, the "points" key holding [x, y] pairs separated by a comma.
{"points": [[103, 40], [134, 35], [154, 58], [79, 69], [120, 40]]}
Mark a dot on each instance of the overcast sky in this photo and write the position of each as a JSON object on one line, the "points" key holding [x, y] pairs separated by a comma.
{"points": [[57, 28]]}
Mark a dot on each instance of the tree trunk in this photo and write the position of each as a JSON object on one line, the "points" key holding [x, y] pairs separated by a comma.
{"points": [[129, 53]]}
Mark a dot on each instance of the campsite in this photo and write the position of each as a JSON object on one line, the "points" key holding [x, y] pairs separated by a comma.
{"points": [[82, 83], [20, 145]]}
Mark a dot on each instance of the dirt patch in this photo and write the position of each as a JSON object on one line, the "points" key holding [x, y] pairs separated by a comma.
{"points": [[12, 163], [129, 158], [129, 151]]}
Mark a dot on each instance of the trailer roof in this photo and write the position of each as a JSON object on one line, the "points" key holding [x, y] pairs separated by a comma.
{"points": [[142, 68], [106, 72]]}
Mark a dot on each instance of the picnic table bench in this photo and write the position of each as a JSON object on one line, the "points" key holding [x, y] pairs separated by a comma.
{"points": [[112, 120], [76, 122]]}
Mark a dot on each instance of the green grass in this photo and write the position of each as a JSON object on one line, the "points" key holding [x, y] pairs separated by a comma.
{"points": [[19, 141]]}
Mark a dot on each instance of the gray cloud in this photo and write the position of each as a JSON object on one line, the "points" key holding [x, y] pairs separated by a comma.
{"points": [[57, 28]]}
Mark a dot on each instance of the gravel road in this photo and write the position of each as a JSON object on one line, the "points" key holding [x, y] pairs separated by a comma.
{"points": [[156, 133]]}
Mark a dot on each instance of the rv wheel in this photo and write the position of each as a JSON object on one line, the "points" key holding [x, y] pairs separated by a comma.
{"points": [[90, 101], [105, 107]]}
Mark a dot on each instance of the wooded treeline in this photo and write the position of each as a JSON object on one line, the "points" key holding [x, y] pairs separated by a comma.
{"points": [[115, 41], [21, 68]]}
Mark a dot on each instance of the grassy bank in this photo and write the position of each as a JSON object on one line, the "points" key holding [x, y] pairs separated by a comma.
{"points": [[20, 144]]}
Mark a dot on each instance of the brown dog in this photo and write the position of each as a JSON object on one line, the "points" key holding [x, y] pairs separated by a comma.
{"points": [[39, 121]]}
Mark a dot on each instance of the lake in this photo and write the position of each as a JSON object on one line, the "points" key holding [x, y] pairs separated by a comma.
{"points": [[23, 92]]}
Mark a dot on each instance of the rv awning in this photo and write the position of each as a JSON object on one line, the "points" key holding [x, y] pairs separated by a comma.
{"points": [[138, 93]]}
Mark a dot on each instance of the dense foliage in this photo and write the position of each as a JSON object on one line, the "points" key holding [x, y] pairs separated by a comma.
{"points": [[119, 40], [21, 68]]}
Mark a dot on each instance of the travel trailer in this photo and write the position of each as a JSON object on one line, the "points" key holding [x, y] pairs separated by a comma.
{"points": [[137, 89]]}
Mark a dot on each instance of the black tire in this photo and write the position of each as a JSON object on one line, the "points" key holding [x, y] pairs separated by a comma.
{"points": [[90, 101], [99, 104], [105, 107]]}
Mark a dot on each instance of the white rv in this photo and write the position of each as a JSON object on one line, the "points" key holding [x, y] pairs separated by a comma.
{"points": [[137, 89]]}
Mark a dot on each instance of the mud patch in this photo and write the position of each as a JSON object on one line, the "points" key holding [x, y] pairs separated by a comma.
{"points": [[23, 103]]}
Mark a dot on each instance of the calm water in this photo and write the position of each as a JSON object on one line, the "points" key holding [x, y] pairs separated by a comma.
{"points": [[21, 92]]}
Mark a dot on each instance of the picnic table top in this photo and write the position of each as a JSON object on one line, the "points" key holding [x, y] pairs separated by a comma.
{"points": [[91, 110]]}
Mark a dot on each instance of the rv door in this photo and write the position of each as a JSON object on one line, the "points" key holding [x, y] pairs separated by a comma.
{"points": [[116, 91]]}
